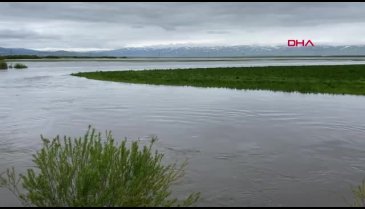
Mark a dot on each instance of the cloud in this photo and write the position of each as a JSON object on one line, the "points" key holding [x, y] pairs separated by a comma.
{"points": [[23, 35], [217, 32], [67, 25]]}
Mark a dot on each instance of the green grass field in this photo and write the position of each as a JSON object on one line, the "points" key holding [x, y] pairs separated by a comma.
{"points": [[339, 79]]}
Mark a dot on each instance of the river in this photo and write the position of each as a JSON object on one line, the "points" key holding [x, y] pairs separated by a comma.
{"points": [[244, 148]]}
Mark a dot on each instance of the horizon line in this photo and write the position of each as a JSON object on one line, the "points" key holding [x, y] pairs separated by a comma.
{"points": [[167, 46]]}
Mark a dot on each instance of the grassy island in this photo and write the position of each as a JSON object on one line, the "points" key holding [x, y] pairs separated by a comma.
{"points": [[3, 65], [332, 79], [20, 66]]}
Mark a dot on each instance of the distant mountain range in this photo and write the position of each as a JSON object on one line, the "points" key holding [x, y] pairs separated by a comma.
{"points": [[218, 51]]}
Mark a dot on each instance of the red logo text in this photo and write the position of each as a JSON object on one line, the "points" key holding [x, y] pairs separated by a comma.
{"points": [[296, 43]]}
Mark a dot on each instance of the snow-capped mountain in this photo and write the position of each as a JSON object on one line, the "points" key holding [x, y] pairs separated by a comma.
{"points": [[201, 51]]}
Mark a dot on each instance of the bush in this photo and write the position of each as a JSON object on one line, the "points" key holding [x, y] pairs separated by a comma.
{"points": [[89, 172], [359, 193], [20, 66], [3, 65]]}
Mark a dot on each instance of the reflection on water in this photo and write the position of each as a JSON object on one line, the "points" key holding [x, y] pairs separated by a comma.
{"points": [[245, 148]]}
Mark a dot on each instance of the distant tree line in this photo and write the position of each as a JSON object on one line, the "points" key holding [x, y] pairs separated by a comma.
{"points": [[53, 57]]}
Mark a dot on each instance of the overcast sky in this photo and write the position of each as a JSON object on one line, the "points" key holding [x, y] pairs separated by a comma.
{"points": [[89, 26]]}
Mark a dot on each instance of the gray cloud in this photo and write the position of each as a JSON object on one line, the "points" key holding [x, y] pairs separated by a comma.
{"points": [[23, 35], [218, 32], [115, 25]]}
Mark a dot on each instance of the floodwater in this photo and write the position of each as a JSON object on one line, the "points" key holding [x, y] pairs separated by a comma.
{"points": [[244, 148]]}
